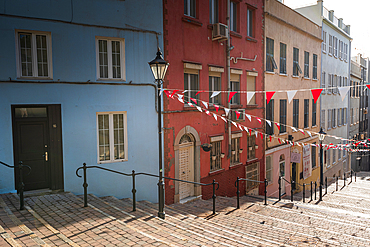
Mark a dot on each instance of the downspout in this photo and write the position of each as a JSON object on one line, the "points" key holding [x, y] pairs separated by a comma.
{"points": [[349, 101], [228, 74]]}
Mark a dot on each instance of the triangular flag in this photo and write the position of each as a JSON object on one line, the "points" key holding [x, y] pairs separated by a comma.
{"points": [[215, 116], [199, 109], [173, 93], [246, 129], [237, 114], [277, 125], [214, 94], [279, 140], [194, 100], [240, 127], [309, 133], [261, 135], [209, 114], [343, 91], [168, 94], [199, 92], [368, 86], [298, 144], [223, 119], [234, 124], [190, 104], [294, 129], [216, 107], [269, 96], [249, 117], [227, 111], [250, 132], [270, 138], [291, 95], [249, 96], [301, 130], [180, 96], [256, 133], [259, 120], [205, 104], [231, 95], [316, 93], [180, 99], [269, 122]]}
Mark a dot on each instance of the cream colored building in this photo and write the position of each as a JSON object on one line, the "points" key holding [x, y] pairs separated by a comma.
{"points": [[292, 62]]}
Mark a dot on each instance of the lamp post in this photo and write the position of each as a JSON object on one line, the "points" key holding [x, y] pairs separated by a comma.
{"points": [[321, 138], [159, 68]]}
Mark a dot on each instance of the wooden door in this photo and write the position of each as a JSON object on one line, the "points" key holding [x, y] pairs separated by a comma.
{"points": [[186, 165]]}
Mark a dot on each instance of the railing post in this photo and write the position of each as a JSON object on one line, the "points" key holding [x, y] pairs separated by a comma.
{"points": [[311, 191], [237, 193], [265, 191], [344, 179], [291, 190], [351, 176], [85, 184], [315, 189], [355, 176], [326, 185], [133, 191], [304, 192], [279, 188], [214, 196], [21, 185], [336, 183]]}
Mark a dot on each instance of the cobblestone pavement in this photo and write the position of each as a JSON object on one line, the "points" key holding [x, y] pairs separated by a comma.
{"points": [[342, 218]]}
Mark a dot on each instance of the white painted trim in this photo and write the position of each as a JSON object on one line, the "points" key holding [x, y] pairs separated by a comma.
{"points": [[216, 69], [192, 66], [250, 73], [216, 138], [236, 71]]}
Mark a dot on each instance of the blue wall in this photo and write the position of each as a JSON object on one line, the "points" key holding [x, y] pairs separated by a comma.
{"points": [[74, 60]]}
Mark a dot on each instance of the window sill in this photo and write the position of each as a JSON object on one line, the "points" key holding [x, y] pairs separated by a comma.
{"points": [[111, 161], [216, 172], [286, 75], [236, 106], [236, 165], [306, 78], [252, 106], [192, 20], [35, 78], [323, 51], [284, 133], [235, 34], [251, 39], [251, 161], [270, 72], [110, 79], [295, 76], [330, 54], [315, 79]]}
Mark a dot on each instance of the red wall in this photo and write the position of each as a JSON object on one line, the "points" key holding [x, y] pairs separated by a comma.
{"points": [[188, 39]]}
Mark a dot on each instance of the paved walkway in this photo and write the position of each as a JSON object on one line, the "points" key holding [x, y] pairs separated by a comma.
{"points": [[341, 219]]}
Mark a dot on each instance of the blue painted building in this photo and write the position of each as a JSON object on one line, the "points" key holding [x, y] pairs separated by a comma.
{"points": [[75, 87]]}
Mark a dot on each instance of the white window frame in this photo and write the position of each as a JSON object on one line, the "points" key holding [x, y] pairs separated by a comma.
{"points": [[212, 88], [271, 170], [322, 119], [324, 41], [34, 57], [188, 8], [109, 51], [233, 16], [111, 137], [213, 7], [330, 44]]}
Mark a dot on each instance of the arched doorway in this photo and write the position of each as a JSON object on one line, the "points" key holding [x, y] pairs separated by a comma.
{"points": [[282, 173]]}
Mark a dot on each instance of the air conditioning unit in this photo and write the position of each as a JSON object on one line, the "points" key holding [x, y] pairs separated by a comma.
{"points": [[219, 32], [241, 117]]}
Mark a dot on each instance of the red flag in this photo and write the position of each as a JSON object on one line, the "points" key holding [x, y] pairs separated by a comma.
{"points": [[194, 100], [199, 92], [168, 94], [316, 93], [368, 86], [237, 114], [217, 107], [250, 132], [270, 138], [269, 96], [231, 95], [277, 125], [261, 135], [279, 140], [258, 119], [173, 93]]}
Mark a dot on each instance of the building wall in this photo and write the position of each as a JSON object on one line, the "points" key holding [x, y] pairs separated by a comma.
{"points": [[284, 25], [189, 41], [73, 26]]}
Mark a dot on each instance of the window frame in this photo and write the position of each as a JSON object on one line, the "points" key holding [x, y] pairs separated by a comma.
{"points": [[254, 185], [270, 116], [34, 57], [217, 144], [235, 158], [111, 137], [283, 116], [110, 66], [214, 10], [188, 10], [314, 113], [314, 67], [250, 22], [191, 93], [306, 65], [324, 41], [296, 68], [306, 116], [296, 113], [234, 16], [283, 67], [269, 178], [270, 61], [313, 153], [251, 144], [322, 119]]}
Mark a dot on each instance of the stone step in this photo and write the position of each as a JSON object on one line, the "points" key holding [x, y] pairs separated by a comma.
{"points": [[8, 230], [215, 235], [147, 223]]}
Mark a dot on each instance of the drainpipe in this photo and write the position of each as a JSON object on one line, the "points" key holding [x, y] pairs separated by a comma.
{"points": [[228, 73]]}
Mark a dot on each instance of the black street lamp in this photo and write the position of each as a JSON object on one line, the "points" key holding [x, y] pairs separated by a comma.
{"points": [[159, 68], [321, 138]]}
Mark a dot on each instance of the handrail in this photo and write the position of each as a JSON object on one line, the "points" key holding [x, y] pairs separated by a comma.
{"points": [[246, 179], [20, 189], [133, 175]]}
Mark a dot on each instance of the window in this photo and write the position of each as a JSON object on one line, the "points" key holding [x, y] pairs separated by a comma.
{"points": [[270, 61], [189, 8], [235, 87], [335, 46], [340, 49], [233, 16], [283, 109], [251, 87], [334, 90], [342, 116], [314, 68], [251, 146], [34, 55], [322, 119], [213, 11], [306, 64], [339, 122], [330, 84], [110, 58], [270, 116], [345, 115], [323, 81], [334, 155], [215, 85], [283, 58], [330, 44], [112, 137], [313, 156], [191, 83], [333, 119], [306, 112], [250, 29], [295, 112], [328, 157], [323, 41], [314, 108], [252, 173], [352, 90], [345, 52], [235, 149], [269, 169], [339, 153], [351, 116], [296, 68], [216, 151], [329, 119]]}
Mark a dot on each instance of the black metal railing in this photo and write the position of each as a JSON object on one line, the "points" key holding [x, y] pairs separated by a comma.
{"points": [[133, 175], [303, 190], [291, 187], [250, 180], [20, 188]]}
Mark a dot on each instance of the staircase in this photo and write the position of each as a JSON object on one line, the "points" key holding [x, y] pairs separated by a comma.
{"points": [[341, 219]]}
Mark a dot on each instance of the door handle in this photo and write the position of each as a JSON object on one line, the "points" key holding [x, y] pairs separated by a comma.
{"points": [[46, 156]]}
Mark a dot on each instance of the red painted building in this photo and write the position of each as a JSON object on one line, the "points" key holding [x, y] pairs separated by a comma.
{"points": [[197, 54]]}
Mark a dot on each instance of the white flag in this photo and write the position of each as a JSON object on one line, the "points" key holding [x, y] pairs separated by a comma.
{"points": [[249, 117], [294, 129], [343, 91], [256, 133], [269, 122], [234, 124], [291, 95], [223, 119], [215, 116], [205, 104], [227, 111], [309, 133], [250, 96], [161, 91], [214, 94], [246, 129], [199, 109]]}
